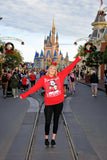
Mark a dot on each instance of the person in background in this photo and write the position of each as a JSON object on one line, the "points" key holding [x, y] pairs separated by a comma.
{"points": [[82, 74], [9, 74], [71, 81], [105, 83], [65, 86], [24, 82], [5, 78], [52, 82], [32, 78], [94, 83], [14, 83], [77, 76], [42, 72], [37, 75], [20, 78]]}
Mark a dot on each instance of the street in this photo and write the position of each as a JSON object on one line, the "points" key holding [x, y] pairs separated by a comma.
{"points": [[91, 113], [87, 113]]}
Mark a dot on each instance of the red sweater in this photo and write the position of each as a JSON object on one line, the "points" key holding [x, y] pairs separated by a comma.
{"points": [[24, 81], [53, 86], [32, 77]]}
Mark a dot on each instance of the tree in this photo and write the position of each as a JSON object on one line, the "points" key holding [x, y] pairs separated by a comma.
{"points": [[95, 59], [105, 56], [81, 51], [11, 61], [18, 54]]}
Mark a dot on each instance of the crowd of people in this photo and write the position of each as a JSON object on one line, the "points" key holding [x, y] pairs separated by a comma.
{"points": [[14, 80]]}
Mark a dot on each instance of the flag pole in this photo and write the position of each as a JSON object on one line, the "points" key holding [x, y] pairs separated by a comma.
{"points": [[101, 4]]}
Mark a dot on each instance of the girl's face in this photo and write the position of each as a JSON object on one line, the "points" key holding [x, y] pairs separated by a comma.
{"points": [[52, 71]]}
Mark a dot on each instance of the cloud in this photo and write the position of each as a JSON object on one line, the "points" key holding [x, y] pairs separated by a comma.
{"points": [[37, 15], [29, 20]]}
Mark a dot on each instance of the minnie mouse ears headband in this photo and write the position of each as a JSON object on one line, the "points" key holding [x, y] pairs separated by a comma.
{"points": [[52, 63]]}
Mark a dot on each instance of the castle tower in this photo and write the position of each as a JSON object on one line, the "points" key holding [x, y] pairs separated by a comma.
{"points": [[42, 60], [57, 44], [51, 51], [37, 60]]}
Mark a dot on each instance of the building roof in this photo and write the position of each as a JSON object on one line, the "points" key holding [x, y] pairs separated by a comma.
{"points": [[67, 55], [55, 54], [61, 57], [60, 53], [36, 54], [41, 55], [100, 17], [57, 35], [50, 33], [98, 32]]}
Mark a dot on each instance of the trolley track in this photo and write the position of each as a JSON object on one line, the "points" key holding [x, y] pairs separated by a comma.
{"points": [[34, 134]]}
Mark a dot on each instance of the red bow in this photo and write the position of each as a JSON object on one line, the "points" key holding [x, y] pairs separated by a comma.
{"points": [[9, 51], [52, 63]]}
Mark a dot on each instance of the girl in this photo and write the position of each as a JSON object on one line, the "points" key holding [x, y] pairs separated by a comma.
{"points": [[72, 80], [52, 82]]}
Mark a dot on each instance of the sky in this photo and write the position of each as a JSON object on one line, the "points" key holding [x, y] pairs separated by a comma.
{"points": [[30, 21]]}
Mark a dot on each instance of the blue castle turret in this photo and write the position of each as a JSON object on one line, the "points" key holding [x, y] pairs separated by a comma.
{"points": [[55, 56]]}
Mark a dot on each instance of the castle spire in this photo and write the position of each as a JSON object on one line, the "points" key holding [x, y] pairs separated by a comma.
{"points": [[45, 37], [53, 24], [53, 33]]}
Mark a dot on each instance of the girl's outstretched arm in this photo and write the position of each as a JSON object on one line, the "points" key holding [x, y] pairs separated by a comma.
{"points": [[36, 87], [69, 68]]}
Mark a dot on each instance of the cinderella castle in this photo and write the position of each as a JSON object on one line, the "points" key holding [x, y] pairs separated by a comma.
{"points": [[51, 53]]}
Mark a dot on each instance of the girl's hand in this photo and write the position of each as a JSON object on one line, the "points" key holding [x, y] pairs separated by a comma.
{"points": [[79, 57], [20, 97]]}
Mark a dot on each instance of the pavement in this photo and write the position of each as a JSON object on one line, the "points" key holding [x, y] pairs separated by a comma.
{"points": [[86, 117]]}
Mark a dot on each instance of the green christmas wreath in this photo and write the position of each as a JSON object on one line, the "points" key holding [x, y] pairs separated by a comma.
{"points": [[10, 50], [89, 47]]}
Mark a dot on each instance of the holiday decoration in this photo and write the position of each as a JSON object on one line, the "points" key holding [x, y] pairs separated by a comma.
{"points": [[89, 47], [22, 43], [101, 12], [9, 47], [75, 43]]}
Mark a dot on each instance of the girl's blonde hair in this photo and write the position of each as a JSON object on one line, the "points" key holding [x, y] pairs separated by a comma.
{"points": [[55, 72]]}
